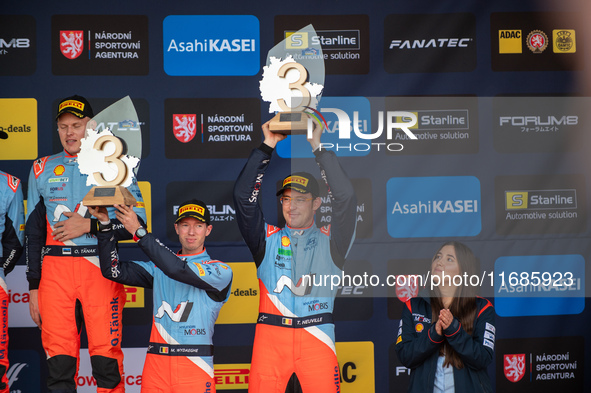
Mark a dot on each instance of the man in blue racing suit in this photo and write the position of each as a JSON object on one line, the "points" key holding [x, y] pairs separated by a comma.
{"points": [[12, 236], [189, 290], [295, 330]]}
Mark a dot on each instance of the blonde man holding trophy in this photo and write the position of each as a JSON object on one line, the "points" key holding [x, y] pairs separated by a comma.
{"points": [[60, 232]]}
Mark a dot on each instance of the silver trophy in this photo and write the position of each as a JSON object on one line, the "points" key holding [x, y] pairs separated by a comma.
{"points": [[293, 80], [110, 154]]}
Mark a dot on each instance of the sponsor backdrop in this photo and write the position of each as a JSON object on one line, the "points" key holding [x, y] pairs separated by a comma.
{"points": [[499, 161]]}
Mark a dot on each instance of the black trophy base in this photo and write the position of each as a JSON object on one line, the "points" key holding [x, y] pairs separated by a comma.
{"points": [[109, 196], [289, 123]]}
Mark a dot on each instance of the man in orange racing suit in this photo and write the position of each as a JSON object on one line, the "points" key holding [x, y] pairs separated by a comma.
{"points": [[59, 232], [295, 330]]}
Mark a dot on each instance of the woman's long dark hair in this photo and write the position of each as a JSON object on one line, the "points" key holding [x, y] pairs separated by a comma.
{"points": [[463, 305]]}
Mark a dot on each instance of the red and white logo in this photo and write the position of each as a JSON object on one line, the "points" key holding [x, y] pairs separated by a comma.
{"points": [[409, 290], [184, 127], [71, 43], [13, 182], [514, 366], [537, 41]]}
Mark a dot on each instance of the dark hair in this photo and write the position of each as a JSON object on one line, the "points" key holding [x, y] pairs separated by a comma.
{"points": [[463, 305]]}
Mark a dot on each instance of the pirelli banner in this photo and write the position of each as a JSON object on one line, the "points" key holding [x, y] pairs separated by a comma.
{"points": [[452, 122]]}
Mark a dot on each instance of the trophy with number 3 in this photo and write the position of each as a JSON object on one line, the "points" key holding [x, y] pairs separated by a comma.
{"points": [[103, 158], [293, 80]]}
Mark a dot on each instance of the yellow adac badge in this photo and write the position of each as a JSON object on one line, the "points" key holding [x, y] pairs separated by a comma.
{"points": [[357, 368], [510, 41]]}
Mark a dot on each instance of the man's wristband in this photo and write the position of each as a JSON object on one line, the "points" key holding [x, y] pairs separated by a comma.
{"points": [[94, 227], [105, 227]]}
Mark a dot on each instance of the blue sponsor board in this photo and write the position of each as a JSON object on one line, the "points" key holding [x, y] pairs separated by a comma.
{"points": [[433, 206], [297, 146], [24, 371], [211, 45], [539, 285]]}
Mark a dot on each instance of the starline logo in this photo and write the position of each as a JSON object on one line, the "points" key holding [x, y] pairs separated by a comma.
{"points": [[328, 39], [401, 120], [541, 199]]}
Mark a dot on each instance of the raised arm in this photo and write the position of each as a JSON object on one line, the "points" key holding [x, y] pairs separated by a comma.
{"points": [[247, 191]]}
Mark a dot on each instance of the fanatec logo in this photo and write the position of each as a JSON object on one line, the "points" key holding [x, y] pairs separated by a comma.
{"points": [[431, 43]]}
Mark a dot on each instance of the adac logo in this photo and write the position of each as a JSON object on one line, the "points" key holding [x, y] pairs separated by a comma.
{"points": [[564, 41], [419, 327], [514, 366], [184, 127], [537, 41], [510, 41], [71, 43], [59, 170], [409, 290]]}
